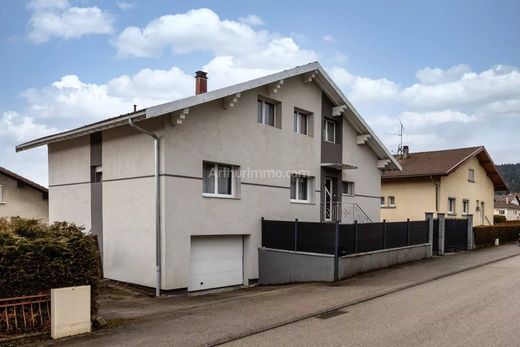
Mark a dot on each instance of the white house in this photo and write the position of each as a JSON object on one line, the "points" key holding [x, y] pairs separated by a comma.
{"points": [[284, 146]]}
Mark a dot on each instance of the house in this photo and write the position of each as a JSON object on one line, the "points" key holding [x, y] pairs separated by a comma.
{"points": [[20, 197], [284, 146], [457, 182], [508, 206]]}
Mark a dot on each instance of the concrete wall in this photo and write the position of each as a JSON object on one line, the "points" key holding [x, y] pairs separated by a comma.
{"points": [[23, 202], [412, 199], [362, 262], [457, 186], [279, 267]]}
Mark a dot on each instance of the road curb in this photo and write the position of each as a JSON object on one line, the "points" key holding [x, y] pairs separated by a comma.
{"points": [[353, 302]]}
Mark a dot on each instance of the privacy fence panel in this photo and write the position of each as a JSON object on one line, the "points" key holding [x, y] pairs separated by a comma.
{"points": [[456, 235], [370, 237], [419, 232], [347, 239], [278, 234], [396, 234], [316, 237]]}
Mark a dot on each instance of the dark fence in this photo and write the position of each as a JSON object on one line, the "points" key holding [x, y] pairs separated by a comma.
{"points": [[352, 238], [455, 235], [435, 243]]}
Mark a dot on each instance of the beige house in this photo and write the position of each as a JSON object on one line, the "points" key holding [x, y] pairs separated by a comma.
{"points": [[456, 182], [20, 197]]}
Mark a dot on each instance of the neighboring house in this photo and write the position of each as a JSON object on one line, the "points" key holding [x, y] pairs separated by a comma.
{"points": [[456, 182], [20, 197], [284, 146], [508, 206]]}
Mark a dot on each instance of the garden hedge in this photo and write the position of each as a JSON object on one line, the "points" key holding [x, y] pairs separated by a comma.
{"points": [[35, 257], [506, 232], [498, 218]]}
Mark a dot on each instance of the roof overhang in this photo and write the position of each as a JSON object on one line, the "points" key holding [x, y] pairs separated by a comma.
{"points": [[312, 72], [339, 166]]}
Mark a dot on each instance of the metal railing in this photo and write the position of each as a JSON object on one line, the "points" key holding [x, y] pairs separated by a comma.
{"points": [[347, 213], [23, 314]]}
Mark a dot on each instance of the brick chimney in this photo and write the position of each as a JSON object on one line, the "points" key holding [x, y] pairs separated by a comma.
{"points": [[201, 82], [406, 151]]}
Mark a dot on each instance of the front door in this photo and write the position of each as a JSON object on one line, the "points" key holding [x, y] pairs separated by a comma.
{"points": [[329, 199]]}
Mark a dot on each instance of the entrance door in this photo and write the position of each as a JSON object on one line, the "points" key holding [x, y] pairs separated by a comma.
{"points": [[329, 199]]}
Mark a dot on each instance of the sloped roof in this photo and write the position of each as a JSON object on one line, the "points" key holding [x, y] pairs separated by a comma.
{"points": [[314, 70], [443, 163], [18, 178], [509, 206]]}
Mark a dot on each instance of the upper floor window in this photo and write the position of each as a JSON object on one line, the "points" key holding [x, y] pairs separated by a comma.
{"points": [[329, 131], [348, 188], [391, 201], [2, 194], [502, 212], [451, 205], [218, 180], [96, 174], [465, 206], [300, 188], [266, 113], [382, 201], [471, 175], [301, 122]]}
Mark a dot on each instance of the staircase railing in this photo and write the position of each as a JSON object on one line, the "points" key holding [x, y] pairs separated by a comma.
{"points": [[346, 213]]}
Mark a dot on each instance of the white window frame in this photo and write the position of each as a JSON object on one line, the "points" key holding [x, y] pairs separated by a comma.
{"points": [[2, 194], [215, 169], [390, 203], [383, 203], [263, 112], [465, 206], [297, 188], [452, 207], [351, 185], [471, 175], [297, 127], [325, 135], [502, 212]]}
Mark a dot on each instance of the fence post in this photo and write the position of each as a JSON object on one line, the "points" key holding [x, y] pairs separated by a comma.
{"points": [[442, 232], [262, 232], [384, 233], [336, 251], [408, 231], [355, 237], [429, 221], [471, 237], [295, 234]]}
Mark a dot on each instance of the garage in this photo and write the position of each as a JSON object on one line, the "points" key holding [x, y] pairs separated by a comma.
{"points": [[216, 261]]}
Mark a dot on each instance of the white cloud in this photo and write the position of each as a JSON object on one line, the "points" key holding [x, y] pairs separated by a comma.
{"points": [[19, 128], [59, 19], [252, 20], [431, 76], [125, 5], [328, 39]]}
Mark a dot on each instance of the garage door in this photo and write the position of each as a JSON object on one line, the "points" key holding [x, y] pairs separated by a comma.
{"points": [[216, 261]]}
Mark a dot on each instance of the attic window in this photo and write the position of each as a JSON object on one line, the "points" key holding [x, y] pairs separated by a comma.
{"points": [[471, 175]]}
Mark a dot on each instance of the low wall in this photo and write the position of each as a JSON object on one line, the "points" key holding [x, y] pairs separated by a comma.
{"points": [[362, 262], [277, 266]]}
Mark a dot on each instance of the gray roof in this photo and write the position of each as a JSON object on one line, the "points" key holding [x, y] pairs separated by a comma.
{"points": [[320, 77]]}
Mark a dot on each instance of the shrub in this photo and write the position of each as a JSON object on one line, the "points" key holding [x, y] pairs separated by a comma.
{"points": [[497, 218], [35, 257], [486, 235]]}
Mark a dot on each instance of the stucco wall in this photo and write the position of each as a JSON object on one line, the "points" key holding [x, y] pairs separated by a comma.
{"points": [[69, 181], [23, 202], [412, 200], [457, 186]]}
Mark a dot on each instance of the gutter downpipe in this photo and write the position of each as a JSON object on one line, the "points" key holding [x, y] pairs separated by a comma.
{"points": [[157, 205], [437, 193]]}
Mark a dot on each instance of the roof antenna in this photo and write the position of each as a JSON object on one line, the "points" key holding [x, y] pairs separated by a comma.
{"points": [[400, 134]]}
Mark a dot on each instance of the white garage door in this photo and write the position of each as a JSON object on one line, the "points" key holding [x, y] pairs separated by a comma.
{"points": [[216, 261]]}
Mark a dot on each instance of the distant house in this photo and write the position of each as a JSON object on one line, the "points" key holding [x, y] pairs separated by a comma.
{"points": [[457, 182], [508, 206], [22, 197]]}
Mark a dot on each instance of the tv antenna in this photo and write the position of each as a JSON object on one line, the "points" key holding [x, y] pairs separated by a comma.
{"points": [[400, 134]]}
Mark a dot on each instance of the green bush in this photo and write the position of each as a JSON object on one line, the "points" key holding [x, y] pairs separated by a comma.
{"points": [[497, 218], [485, 235], [35, 257]]}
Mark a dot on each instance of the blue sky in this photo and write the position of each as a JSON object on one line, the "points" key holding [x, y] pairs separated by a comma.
{"points": [[448, 69]]}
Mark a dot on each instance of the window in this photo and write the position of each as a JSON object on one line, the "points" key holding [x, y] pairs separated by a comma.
{"points": [[300, 189], [218, 180], [329, 131], [391, 201], [348, 188], [301, 121], [465, 206], [502, 212], [266, 113], [471, 175], [382, 201], [2, 194], [96, 174], [451, 205]]}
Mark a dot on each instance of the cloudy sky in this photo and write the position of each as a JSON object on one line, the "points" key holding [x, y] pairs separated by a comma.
{"points": [[449, 70]]}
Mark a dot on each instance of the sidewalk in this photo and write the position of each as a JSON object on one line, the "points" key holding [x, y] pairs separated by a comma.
{"points": [[218, 317]]}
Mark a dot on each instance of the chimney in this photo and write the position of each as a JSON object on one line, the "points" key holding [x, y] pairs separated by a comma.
{"points": [[406, 151], [201, 82], [507, 200]]}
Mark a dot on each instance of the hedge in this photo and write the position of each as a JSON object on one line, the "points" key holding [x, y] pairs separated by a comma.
{"points": [[498, 218], [506, 232], [35, 257]]}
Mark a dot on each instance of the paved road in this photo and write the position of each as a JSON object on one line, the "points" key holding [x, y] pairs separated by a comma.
{"points": [[480, 307]]}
